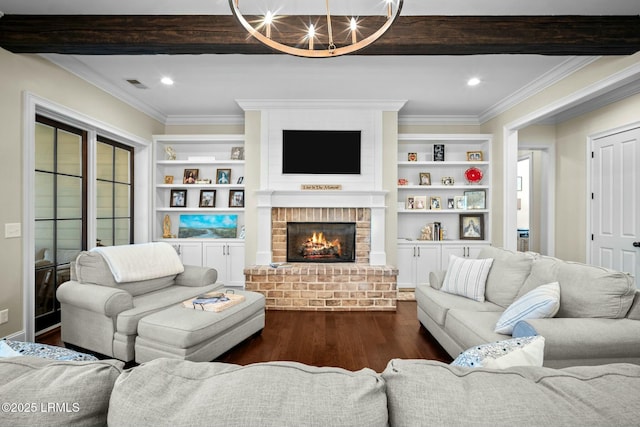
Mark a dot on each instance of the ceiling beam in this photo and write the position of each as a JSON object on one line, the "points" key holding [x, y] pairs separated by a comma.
{"points": [[410, 35]]}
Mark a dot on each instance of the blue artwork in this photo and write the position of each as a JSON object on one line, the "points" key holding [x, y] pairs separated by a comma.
{"points": [[208, 226]]}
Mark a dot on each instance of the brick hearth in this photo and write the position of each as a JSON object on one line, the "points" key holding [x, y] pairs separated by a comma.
{"points": [[324, 286], [329, 287]]}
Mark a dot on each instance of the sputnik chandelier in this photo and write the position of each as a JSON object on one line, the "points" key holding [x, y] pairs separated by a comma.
{"points": [[333, 36]]}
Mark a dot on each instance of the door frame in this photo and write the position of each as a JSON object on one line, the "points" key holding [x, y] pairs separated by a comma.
{"points": [[590, 206]]}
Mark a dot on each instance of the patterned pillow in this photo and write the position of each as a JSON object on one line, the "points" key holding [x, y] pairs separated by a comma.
{"points": [[539, 303], [525, 351], [467, 277]]}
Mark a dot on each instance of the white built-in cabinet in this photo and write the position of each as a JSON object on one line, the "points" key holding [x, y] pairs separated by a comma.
{"points": [[211, 155], [424, 202]]}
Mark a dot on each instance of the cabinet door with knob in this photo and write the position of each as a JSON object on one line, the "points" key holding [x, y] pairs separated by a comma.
{"points": [[227, 257], [463, 251], [415, 262]]}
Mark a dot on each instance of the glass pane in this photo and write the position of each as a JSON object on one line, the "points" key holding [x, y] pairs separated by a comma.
{"points": [[69, 153], [69, 197], [123, 165], [104, 161], [43, 195], [69, 238], [122, 200], [43, 231], [44, 147], [122, 232], [105, 232], [104, 199]]}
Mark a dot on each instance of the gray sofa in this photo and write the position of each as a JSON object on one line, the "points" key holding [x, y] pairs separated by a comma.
{"points": [[598, 320], [168, 392]]}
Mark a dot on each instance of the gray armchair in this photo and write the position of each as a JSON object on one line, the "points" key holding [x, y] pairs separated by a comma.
{"points": [[101, 315]]}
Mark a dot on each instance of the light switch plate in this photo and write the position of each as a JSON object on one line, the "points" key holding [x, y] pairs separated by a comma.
{"points": [[12, 230]]}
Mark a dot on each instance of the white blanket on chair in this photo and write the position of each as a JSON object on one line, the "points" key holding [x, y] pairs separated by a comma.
{"points": [[131, 263]]}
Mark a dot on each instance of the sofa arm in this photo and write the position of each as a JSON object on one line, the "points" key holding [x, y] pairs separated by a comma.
{"points": [[197, 276], [436, 278], [96, 298]]}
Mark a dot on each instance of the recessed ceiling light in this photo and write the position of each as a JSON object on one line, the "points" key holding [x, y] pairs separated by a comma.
{"points": [[167, 81], [474, 81]]}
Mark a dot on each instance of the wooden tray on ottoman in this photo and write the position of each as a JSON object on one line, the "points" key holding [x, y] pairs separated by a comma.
{"points": [[225, 301]]}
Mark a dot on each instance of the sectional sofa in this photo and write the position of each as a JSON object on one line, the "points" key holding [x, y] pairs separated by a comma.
{"points": [[169, 392], [597, 320]]}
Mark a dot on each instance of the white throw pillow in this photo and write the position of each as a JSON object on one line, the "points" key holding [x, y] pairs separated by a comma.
{"points": [[539, 303], [525, 351], [467, 277]]}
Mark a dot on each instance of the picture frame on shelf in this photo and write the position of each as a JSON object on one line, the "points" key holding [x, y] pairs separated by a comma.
{"points": [[207, 199], [438, 152], [425, 178], [412, 157], [460, 202], [190, 176], [475, 156], [168, 179], [471, 227], [410, 203], [178, 199], [237, 153], [448, 180], [451, 204], [223, 176], [420, 202], [236, 198], [476, 199], [435, 203]]}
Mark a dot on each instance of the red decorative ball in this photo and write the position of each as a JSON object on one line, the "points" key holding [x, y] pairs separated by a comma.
{"points": [[473, 175]]}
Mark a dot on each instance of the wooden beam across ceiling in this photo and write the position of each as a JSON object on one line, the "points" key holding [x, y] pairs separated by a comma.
{"points": [[410, 35]]}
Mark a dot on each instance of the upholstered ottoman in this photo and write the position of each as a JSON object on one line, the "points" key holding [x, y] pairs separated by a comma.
{"points": [[200, 336]]}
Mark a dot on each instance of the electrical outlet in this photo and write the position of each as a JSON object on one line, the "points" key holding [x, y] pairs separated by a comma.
{"points": [[12, 230], [4, 316]]}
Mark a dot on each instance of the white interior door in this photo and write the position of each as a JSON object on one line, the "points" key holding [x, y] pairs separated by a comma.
{"points": [[615, 207]]}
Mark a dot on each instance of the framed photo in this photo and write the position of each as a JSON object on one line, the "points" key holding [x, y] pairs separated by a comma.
{"points": [[190, 176], [178, 199], [438, 153], [207, 198], [223, 176], [460, 202], [435, 203], [475, 156], [476, 199], [412, 157], [420, 202], [410, 203], [425, 178], [237, 153], [236, 198], [448, 180], [471, 227], [168, 179], [451, 204]]}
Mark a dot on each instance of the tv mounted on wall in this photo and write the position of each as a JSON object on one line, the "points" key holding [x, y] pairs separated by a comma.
{"points": [[321, 152]]}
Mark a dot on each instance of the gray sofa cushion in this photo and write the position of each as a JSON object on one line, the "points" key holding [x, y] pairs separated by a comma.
{"points": [[427, 393], [634, 311], [81, 391], [508, 273], [143, 305], [90, 267], [436, 303], [471, 328], [167, 392]]}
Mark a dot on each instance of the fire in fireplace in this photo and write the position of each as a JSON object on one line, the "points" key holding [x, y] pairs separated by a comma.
{"points": [[321, 241]]}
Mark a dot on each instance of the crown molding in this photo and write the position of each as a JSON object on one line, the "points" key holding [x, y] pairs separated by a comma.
{"points": [[205, 120], [463, 120], [78, 68], [551, 77], [315, 104]]}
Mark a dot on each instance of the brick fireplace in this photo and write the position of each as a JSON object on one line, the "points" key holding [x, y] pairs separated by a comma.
{"points": [[366, 283]]}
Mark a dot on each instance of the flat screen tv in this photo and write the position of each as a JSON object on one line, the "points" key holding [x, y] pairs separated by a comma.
{"points": [[321, 152]]}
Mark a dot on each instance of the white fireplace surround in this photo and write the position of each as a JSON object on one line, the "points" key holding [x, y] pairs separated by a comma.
{"points": [[284, 191]]}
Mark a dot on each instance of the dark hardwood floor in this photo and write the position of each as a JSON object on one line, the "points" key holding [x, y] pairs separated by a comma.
{"points": [[350, 340]]}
